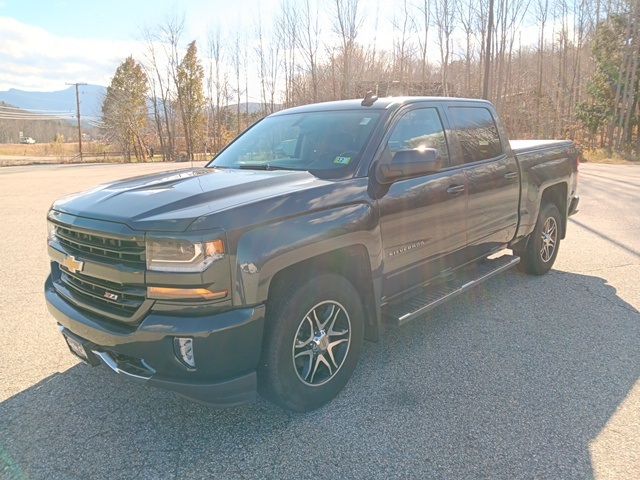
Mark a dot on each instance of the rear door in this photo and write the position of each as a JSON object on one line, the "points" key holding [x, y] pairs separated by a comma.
{"points": [[492, 178], [422, 219]]}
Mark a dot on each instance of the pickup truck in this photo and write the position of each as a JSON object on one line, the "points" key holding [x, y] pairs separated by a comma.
{"points": [[265, 270]]}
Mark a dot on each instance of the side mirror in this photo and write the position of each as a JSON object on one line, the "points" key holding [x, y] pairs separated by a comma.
{"points": [[410, 164]]}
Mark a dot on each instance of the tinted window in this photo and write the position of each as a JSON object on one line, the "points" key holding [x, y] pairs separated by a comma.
{"points": [[477, 133], [419, 128]]}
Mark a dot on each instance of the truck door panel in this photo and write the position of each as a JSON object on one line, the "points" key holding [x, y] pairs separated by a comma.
{"points": [[422, 219], [492, 178]]}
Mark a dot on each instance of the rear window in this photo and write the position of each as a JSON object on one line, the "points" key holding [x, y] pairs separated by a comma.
{"points": [[477, 133]]}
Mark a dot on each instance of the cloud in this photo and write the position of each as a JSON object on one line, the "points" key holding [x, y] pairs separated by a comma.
{"points": [[34, 59]]}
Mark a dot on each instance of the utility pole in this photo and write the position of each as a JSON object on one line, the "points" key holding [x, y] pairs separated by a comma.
{"points": [[77, 84]]}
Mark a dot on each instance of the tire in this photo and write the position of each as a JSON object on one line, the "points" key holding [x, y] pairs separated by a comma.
{"points": [[286, 375], [538, 255]]}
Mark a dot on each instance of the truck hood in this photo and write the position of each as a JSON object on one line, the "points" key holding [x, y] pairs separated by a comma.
{"points": [[171, 201]]}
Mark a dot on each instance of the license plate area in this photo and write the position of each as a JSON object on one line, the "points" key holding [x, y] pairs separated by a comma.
{"points": [[80, 349]]}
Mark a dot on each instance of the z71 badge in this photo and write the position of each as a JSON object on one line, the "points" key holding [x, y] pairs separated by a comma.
{"points": [[111, 296]]}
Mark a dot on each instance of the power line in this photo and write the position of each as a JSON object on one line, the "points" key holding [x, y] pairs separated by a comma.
{"points": [[33, 110], [29, 119], [36, 115]]}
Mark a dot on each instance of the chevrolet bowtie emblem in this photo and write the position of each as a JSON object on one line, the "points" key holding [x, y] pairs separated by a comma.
{"points": [[73, 265]]}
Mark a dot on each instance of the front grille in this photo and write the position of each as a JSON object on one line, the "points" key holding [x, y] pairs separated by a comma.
{"points": [[116, 300], [101, 247]]}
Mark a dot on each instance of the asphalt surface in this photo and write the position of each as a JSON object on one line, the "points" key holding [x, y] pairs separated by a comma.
{"points": [[524, 377]]}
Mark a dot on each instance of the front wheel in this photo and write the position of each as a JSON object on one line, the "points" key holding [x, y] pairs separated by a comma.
{"points": [[313, 337], [541, 250]]}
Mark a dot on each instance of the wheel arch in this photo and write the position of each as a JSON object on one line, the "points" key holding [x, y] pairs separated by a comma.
{"points": [[557, 194], [351, 262]]}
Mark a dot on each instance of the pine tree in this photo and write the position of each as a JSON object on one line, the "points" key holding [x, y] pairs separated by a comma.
{"points": [[124, 110], [191, 99], [613, 92]]}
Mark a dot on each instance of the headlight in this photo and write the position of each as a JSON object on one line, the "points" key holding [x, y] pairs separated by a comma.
{"points": [[175, 255], [51, 230]]}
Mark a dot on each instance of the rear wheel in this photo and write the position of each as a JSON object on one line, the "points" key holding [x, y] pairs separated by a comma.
{"points": [[541, 250], [313, 338]]}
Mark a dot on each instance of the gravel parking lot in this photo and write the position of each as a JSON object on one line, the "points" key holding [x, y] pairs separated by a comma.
{"points": [[521, 378]]}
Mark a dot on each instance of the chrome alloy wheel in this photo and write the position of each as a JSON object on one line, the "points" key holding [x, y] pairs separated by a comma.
{"points": [[549, 239], [321, 344]]}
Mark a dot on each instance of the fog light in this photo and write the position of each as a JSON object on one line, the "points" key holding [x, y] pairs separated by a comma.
{"points": [[167, 293], [184, 350]]}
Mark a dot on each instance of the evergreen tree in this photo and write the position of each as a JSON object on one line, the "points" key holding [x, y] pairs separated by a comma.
{"points": [[191, 99], [124, 110], [611, 109]]}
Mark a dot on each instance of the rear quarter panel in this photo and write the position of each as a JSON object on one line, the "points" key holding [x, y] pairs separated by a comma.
{"points": [[542, 167]]}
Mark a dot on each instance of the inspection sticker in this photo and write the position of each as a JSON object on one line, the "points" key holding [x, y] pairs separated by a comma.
{"points": [[342, 160]]}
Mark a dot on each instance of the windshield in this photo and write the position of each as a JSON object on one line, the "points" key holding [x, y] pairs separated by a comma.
{"points": [[328, 143]]}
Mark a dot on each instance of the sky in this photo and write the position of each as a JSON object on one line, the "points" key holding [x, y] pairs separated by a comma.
{"points": [[45, 44]]}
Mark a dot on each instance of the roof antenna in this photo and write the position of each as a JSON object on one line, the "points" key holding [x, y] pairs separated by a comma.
{"points": [[369, 99]]}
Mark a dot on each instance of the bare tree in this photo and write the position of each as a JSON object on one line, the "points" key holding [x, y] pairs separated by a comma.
{"points": [[169, 38], [445, 22], [423, 39], [287, 36], [215, 83], [542, 10], [158, 91], [346, 23], [403, 27], [487, 53], [237, 70], [309, 42], [467, 15]]}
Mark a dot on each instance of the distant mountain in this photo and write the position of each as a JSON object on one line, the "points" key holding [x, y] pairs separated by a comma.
{"points": [[253, 107], [91, 97]]}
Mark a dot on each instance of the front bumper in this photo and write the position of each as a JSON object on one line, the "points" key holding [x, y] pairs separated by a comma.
{"points": [[226, 345]]}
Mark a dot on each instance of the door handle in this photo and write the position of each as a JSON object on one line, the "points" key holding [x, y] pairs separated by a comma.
{"points": [[511, 175], [455, 189]]}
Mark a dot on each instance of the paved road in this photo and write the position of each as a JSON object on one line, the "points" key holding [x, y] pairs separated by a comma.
{"points": [[523, 377]]}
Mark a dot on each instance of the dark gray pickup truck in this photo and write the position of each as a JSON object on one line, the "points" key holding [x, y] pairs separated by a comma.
{"points": [[265, 270]]}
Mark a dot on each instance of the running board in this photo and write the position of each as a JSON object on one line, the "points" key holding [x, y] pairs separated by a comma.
{"points": [[431, 296]]}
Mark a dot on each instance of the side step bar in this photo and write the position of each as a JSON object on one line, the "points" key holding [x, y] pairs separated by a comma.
{"points": [[431, 296]]}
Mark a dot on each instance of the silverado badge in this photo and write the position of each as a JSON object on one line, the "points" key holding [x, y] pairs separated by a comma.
{"points": [[71, 264]]}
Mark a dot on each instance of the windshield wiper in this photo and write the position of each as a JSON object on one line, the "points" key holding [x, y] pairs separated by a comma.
{"points": [[263, 166]]}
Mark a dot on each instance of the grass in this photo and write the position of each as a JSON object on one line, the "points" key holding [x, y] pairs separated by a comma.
{"points": [[53, 149], [600, 155], [39, 149], [16, 154]]}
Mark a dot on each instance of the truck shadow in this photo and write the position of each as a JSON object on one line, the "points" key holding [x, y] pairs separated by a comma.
{"points": [[518, 378]]}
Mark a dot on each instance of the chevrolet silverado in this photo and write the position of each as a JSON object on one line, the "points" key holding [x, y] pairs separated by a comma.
{"points": [[265, 270]]}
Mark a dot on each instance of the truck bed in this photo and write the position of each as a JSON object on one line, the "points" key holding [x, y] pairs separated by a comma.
{"points": [[521, 146]]}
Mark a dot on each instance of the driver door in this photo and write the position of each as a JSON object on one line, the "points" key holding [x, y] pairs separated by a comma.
{"points": [[422, 219]]}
